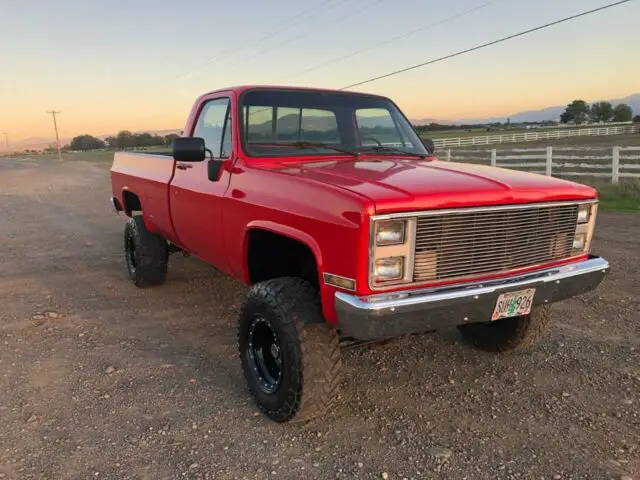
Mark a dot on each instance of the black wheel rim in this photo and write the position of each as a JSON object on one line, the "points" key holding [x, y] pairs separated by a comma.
{"points": [[130, 253], [264, 354]]}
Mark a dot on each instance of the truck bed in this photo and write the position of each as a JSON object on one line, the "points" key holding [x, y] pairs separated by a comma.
{"points": [[149, 175]]}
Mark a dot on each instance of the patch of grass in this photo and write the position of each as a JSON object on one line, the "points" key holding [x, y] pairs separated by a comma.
{"points": [[601, 141], [620, 205], [89, 156], [623, 197]]}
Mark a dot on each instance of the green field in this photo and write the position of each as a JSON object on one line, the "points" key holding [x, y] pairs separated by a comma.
{"points": [[475, 132], [624, 197], [89, 156], [483, 132], [629, 140]]}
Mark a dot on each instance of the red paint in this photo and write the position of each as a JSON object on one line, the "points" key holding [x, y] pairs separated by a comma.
{"points": [[324, 202]]}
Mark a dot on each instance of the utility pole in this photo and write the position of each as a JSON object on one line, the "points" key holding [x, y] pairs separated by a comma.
{"points": [[6, 140], [55, 125]]}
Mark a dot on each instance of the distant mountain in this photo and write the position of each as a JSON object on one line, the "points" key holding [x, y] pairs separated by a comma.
{"points": [[552, 113], [40, 143], [36, 143], [427, 121]]}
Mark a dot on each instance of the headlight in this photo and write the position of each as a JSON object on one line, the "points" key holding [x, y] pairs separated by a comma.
{"points": [[585, 224], [389, 268], [580, 241], [584, 213], [390, 233], [392, 250]]}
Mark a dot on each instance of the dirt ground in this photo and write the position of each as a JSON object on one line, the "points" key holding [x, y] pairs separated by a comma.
{"points": [[99, 379]]}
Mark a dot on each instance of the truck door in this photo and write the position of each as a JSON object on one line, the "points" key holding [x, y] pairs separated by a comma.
{"points": [[196, 202]]}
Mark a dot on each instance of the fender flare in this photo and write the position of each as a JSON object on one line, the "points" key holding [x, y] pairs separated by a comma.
{"points": [[148, 222], [285, 231]]}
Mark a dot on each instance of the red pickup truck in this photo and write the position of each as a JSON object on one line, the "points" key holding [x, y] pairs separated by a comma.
{"points": [[347, 227]]}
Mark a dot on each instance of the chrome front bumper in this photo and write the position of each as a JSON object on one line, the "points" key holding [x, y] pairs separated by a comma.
{"points": [[414, 311]]}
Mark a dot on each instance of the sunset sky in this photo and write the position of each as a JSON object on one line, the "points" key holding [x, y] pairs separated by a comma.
{"points": [[139, 64]]}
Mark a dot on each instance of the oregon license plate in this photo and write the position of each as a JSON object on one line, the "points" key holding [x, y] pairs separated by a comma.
{"points": [[513, 304]]}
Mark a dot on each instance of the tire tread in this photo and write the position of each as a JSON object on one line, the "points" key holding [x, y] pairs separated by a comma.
{"points": [[309, 339], [152, 254]]}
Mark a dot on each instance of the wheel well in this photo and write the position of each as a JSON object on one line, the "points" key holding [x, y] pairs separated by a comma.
{"points": [[131, 202], [271, 255]]}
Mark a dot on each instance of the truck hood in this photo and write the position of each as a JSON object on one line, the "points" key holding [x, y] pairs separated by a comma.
{"points": [[406, 184]]}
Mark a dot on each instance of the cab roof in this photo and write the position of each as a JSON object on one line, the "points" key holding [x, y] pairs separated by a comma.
{"points": [[239, 89]]}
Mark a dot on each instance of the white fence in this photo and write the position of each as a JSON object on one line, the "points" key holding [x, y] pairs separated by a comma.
{"points": [[441, 143], [614, 163]]}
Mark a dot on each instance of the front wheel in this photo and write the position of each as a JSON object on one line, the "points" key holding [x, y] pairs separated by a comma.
{"points": [[508, 333], [290, 357]]}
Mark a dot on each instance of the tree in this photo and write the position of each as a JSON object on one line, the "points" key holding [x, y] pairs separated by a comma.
{"points": [[168, 139], [622, 113], [636, 119], [143, 139], [577, 112], [86, 142], [125, 139], [601, 112], [112, 142]]}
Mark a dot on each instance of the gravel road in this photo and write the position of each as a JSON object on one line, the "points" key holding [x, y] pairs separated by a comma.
{"points": [[101, 380]]}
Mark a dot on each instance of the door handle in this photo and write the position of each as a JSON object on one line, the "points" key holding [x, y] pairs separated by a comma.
{"points": [[183, 166]]}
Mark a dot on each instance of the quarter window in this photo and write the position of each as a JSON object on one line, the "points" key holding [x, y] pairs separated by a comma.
{"points": [[214, 126]]}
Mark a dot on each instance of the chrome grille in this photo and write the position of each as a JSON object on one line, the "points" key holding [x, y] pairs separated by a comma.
{"points": [[479, 242]]}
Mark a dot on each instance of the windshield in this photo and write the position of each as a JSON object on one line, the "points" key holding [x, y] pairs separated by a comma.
{"points": [[293, 123]]}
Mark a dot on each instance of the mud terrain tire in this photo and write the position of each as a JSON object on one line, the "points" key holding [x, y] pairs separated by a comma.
{"points": [[290, 357]]}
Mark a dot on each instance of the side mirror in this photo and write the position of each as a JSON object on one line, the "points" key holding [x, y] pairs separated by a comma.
{"points": [[428, 144], [188, 149]]}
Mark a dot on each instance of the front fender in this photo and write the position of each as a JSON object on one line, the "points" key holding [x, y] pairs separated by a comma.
{"points": [[327, 293]]}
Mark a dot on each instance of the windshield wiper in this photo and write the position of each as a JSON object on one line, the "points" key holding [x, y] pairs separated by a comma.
{"points": [[315, 145], [383, 148]]}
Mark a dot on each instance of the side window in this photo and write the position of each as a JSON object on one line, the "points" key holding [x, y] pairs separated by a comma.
{"points": [[214, 125]]}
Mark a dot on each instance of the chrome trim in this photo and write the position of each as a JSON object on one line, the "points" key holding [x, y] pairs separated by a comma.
{"points": [[383, 315], [492, 208], [324, 277], [412, 297]]}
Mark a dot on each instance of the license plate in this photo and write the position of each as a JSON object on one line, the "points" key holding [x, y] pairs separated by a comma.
{"points": [[513, 304]]}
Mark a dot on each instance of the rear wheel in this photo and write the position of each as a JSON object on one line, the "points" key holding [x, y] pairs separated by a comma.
{"points": [[146, 254], [509, 333], [290, 357]]}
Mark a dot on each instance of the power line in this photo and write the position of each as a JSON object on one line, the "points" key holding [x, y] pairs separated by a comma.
{"points": [[306, 33], [429, 26], [488, 44], [276, 30], [55, 125], [346, 16], [297, 19]]}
